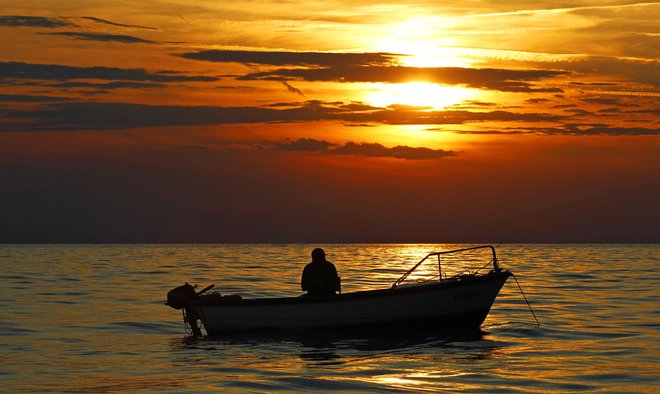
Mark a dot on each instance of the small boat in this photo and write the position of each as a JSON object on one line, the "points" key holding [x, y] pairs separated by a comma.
{"points": [[461, 301]]}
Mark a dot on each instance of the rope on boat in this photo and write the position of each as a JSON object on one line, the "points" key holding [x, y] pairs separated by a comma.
{"points": [[186, 326], [523, 294]]}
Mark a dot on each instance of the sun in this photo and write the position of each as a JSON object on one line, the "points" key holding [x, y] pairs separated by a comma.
{"points": [[424, 53], [419, 94], [421, 42]]}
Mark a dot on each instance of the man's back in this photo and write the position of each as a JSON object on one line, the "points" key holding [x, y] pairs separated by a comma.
{"points": [[320, 277]]}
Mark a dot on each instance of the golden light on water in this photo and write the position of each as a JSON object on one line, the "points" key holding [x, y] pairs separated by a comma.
{"points": [[419, 94], [403, 381], [239, 131]]}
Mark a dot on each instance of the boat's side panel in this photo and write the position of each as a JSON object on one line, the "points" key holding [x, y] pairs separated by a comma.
{"points": [[468, 304]]}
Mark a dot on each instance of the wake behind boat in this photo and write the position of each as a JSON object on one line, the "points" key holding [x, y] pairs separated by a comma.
{"points": [[462, 300]]}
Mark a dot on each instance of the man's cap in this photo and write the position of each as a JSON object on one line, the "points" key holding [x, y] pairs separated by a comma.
{"points": [[318, 252]]}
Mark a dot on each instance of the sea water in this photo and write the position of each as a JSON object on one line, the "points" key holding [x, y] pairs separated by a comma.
{"points": [[91, 318]]}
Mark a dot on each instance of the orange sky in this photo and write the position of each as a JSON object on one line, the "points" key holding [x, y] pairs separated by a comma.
{"points": [[333, 121]]}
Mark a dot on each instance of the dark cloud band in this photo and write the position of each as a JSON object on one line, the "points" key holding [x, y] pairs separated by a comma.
{"points": [[364, 149], [57, 22], [116, 116], [374, 67], [56, 72], [495, 79], [101, 37], [34, 21], [309, 59]]}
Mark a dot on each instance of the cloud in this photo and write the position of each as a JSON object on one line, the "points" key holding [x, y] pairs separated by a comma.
{"points": [[563, 106], [363, 149], [455, 117], [115, 116], [107, 22], [641, 45], [292, 89], [652, 111], [537, 100], [642, 71], [309, 59], [33, 21], [601, 100], [607, 130], [304, 145], [25, 98], [57, 22], [478, 103], [291, 104], [108, 85], [20, 70], [573, 129], [495, 79], [620, 102], [397, 152], [102, 37], [359, 125], [374, 67]]}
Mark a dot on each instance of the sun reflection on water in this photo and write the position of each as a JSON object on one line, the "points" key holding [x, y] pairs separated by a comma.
{"points": [[108, 330]]}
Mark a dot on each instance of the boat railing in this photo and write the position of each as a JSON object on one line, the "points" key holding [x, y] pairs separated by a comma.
{"points": [[494, 261]]}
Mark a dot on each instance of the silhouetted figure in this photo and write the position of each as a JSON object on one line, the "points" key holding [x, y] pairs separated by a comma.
{"points": [[320, 277]]}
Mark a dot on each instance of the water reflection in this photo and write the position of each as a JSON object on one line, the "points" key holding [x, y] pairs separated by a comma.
{"points": [[95, 321], [319, 349]]}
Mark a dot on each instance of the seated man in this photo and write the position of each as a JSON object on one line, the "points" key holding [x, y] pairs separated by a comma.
{"points": [[320, 277]]}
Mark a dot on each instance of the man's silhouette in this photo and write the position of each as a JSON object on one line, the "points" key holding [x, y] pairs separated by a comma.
{"points": [[320, 277]]}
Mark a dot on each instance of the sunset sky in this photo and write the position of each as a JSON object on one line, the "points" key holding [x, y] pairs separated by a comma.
{"points": [[329, 121]]}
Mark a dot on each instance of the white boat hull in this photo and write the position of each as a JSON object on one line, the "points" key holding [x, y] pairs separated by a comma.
{"points": [[446, 304]]}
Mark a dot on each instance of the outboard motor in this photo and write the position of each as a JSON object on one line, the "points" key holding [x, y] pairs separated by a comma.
{"points": [[182, 297]]}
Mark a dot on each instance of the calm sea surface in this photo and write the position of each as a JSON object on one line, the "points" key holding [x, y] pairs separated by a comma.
{"points": [[90, 318]]}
